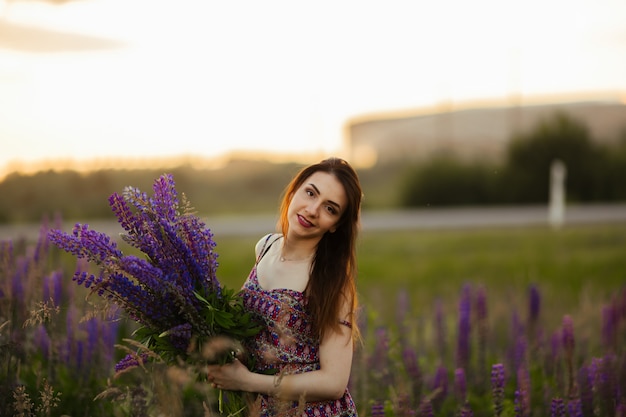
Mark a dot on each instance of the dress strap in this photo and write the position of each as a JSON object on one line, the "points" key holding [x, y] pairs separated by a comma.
{"points": [[266, 247]]}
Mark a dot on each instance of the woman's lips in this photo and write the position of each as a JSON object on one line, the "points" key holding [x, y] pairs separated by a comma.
{"points": [[304, 222]]}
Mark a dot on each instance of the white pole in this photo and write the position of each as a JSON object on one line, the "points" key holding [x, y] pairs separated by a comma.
{"points": [[556, 210]]}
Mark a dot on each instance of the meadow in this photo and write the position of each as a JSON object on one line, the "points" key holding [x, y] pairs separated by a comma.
{"points": [[495, 322]]}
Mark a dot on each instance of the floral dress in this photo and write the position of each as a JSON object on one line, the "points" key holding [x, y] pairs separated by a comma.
{"points": [[286, 345]]}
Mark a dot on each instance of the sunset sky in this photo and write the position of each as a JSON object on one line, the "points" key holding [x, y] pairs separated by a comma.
{"points": [[101, 79]]}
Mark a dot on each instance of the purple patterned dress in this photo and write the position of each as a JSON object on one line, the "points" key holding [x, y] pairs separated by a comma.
{"points": [[286, 344]]}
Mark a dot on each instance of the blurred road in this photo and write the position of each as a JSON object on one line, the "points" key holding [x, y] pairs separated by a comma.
{"points": [[436, 218]]}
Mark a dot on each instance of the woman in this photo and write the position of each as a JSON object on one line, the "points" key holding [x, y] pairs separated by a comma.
{"points": [[302, 289]]}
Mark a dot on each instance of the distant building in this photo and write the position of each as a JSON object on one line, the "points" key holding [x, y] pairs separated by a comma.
{"points": [[470, 133]]}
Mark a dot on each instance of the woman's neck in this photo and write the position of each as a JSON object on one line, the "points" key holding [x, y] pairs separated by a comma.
{"points": [[297, 250]]}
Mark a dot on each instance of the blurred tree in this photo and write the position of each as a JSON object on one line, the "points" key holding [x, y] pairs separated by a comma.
{"points": [[445, 181], [557, 137]]}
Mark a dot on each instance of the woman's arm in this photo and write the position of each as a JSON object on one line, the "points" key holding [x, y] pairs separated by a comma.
{"points": [[327, 383]]}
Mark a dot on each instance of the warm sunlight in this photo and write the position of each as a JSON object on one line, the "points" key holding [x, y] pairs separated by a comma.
{"points": [[101, 79]]}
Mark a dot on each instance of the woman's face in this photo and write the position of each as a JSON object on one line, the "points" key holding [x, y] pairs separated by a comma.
{"points": [[317, 206]]}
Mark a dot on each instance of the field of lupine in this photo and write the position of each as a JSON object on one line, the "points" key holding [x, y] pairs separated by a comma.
{"points": [[497, 324]]}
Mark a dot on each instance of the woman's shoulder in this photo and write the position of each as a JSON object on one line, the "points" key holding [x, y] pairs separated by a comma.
{"points": [[264, 241]]}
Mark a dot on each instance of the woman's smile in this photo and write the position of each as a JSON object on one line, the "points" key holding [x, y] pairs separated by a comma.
{"points": [[304, 222]]}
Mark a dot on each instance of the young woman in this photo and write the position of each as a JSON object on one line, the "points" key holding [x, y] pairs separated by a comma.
{"points": [[302, 289]]}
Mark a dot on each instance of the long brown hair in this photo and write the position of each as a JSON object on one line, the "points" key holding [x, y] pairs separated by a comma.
{"points": [[333, 271]]}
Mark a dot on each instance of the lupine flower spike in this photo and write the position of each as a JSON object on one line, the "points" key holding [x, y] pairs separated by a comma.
{"points": [[174, 293]]}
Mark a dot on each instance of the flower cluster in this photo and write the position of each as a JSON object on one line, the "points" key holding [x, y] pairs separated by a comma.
{"points": [[174, 293]]}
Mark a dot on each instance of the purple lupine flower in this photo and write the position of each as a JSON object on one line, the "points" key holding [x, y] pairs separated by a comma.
{"points": [[524, 389], [585, 389], [86, 243], [41, 248], [610, 323], [460, 384], [92, 328], [574, 408], [42, 341], [131, 361], [379, 361], [568, 348], [440, 329], [519, 352], [378, 409], [440, 384], [165, 199], [497, 387], [482, 330], [534, 304], [426, 409], [519, 403], [463, 340], [180, 335], [52, 288], [606, 384], [557, 407], [201, 243], [411, 365], [620, 410]]}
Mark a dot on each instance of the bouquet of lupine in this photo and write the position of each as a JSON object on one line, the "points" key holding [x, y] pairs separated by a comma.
{"points": [[173, 292]]}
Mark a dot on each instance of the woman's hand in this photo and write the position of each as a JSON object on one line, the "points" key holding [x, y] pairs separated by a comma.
{"points": [[231, 376]]}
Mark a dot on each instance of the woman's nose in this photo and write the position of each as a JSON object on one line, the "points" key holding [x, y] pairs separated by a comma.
{"points": [[313, 209]]}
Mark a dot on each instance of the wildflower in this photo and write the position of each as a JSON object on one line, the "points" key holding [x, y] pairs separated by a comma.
{"points": [[534, 304], [497, 387], [567, 337], [173, 294], [378, 409], [440, 385], [557, 407], [463, 341], [522, 396], [460, 384], [131, 361], [411, 365], [574, 408], [610, 323]]}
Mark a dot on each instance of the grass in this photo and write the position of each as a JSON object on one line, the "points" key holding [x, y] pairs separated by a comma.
{"points": [[577, 264]]}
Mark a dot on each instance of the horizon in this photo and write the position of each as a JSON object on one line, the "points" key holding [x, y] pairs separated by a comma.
{"points": [[217, 161]]}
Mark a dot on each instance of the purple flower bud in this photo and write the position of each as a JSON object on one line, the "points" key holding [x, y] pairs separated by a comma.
{"points": [[481, 304], [524, 389], [460, 384], [42, 341], [574, 408], [463, 341], [131, 361], [610, 323], [440, 382], [497, 387], [378, 409], [557, 407], [534, 304]]}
